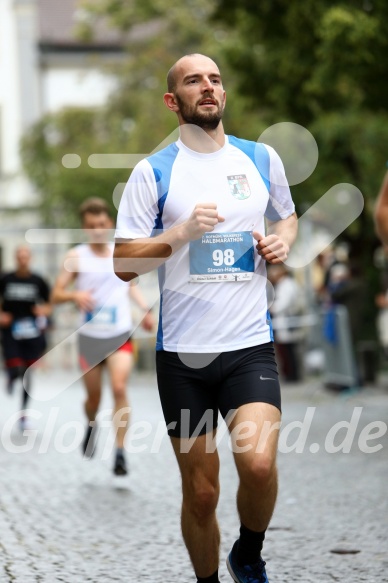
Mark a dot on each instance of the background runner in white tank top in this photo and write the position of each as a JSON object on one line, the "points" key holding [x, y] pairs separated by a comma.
{"points": [[112, 314]]}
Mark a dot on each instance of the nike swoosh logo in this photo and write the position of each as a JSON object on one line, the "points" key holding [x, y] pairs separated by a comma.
{"points": [[266, 378]]}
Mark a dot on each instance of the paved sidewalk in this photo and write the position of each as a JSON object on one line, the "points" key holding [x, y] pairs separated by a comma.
{"points": [[66, 519]]}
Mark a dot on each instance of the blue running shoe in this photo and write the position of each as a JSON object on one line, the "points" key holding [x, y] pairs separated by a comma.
{"points": [[248, 574]]}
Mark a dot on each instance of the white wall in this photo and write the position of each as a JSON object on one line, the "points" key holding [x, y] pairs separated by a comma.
{"points": [[19, 96], [74, 86], [9, 93], [29, 89]]}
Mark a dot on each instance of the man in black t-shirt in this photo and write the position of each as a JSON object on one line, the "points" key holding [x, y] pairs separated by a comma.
{"points": [[24, 309]]}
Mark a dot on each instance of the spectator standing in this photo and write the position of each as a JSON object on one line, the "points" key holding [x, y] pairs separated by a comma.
{"points": [[347, 288], [287, 307]]}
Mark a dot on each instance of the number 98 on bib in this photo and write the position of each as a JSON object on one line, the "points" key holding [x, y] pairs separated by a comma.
{"points": [[222, 257]]}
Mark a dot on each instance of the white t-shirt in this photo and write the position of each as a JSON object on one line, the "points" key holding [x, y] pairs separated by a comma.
{"points": [[111, 315], [213, 291], [289, 302]]}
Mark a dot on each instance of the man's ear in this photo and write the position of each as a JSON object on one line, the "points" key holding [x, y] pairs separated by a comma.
{"points": [[170, 102]]}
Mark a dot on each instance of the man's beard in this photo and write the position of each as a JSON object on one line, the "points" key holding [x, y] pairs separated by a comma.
{"points": [[205, 120]]}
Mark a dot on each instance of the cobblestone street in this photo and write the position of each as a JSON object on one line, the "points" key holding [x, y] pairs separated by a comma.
{"points": [[66, 519]]}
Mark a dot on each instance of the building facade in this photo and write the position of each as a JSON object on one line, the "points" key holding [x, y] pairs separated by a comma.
{"points": [[44, 67]]}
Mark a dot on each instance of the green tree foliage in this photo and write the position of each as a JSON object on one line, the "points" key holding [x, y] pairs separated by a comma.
{"points": [[72, 131], [304, 58], [320, 64], [324, 65], [158, 33]]}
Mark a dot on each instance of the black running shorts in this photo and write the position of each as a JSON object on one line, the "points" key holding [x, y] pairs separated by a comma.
{"points": [[192, 391], [21, 352]]}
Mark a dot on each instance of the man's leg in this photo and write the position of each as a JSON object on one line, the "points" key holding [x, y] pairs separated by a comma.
{"points": [[31, 350], [119, 366], [12, 358], [26, 374], [255, 458], [188, 394], [13, 373], [199, 470], [93, 383], [254, 430]]}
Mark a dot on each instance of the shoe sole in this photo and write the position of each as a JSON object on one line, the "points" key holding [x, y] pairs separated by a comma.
{"points": [[231, 571], [120, 472]]}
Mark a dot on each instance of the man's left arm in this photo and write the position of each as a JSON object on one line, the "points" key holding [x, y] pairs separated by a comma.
{"points": [[275, 245], [147, 321], [44, 307]]}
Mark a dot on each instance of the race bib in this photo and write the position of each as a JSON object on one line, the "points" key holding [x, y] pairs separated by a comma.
{"points": [[24, 329], [104, 317], [222, 257]]}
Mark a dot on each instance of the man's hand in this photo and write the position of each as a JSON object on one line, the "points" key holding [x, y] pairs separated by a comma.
{"points": [[202, 220], [135, 257], [84, 300], [148, 322], [41, 310], [271, 248], [5, 319]]}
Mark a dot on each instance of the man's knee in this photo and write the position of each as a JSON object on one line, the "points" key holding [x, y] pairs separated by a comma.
{"points": [[92, 402], [258, 471], [201, 499], [119, 392]]}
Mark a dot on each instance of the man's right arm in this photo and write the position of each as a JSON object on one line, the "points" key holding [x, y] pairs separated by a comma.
{"points": [[60, 292], [138, 256], [5, 317]]}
